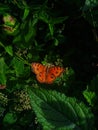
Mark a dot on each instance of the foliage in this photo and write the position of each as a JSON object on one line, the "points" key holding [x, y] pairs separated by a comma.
{"points": [[56, 111], [62, 33], [9, 118]]}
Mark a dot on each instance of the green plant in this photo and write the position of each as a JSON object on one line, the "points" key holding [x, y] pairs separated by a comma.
{"points": [[54, 32]]}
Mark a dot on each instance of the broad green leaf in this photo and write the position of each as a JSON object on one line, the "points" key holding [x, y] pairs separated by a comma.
{"points": [[55, 111], [90, 96], [18, 65], [9, 50], [3, 68], [10, 118]]}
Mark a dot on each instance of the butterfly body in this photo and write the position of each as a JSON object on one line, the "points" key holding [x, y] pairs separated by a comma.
{"points": [[46, 74]]}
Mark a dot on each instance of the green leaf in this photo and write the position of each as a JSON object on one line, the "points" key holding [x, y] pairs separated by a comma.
{"points": [[10, 118], [9, 50], [17, 39], [26, 13], [3, 8], [56, 42], [91, 3], [51, 28], [2, 109], [91, 16], [90, 12], [58, 20], [93, 86], [90, 97], [3, 68], [43, 15], [31, 31], [57, 112], [18, 65], [91, 92]]}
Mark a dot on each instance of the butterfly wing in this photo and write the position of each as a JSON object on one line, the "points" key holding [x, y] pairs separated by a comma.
{"points": [[53, 73], [41, 77], [40, 71], [46, 74], [37, 68]]}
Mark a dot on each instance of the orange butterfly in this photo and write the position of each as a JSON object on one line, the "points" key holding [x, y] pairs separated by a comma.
{"points": [[46, 74]]}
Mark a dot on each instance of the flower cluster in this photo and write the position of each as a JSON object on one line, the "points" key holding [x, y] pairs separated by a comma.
{"points": [[3, 99], [22, 101]]}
